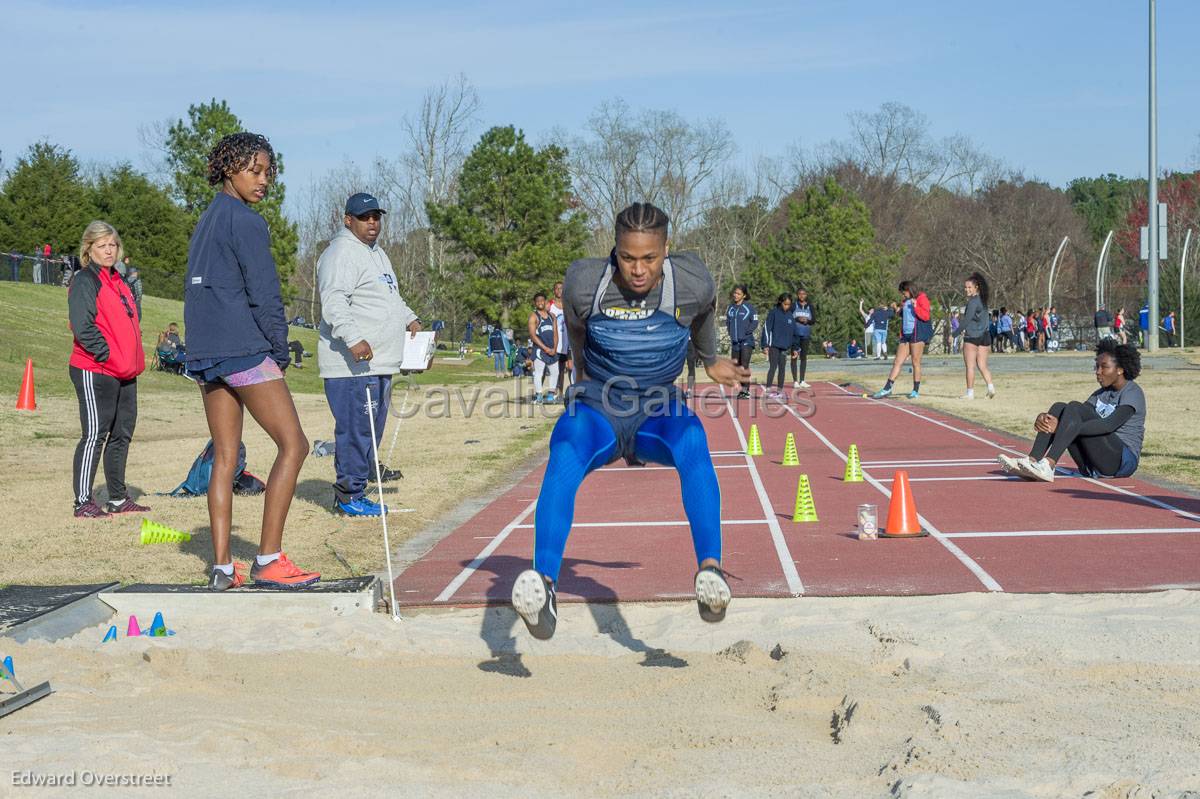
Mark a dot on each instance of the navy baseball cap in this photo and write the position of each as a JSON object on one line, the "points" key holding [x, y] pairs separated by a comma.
{"points": [[361, 203]]}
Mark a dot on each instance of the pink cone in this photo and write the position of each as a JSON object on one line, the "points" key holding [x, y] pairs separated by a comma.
{"points": [[134, 630]]}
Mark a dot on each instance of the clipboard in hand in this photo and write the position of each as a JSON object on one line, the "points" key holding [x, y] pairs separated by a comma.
{"points": [[418, 351]]}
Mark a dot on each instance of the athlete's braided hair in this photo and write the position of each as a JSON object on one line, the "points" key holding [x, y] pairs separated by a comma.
{"points": [[642, 218], [1126, 356], [235, 152]]}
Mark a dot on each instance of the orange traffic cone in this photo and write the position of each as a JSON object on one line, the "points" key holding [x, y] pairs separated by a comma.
{"points": [[25, 399], [902, 521]]}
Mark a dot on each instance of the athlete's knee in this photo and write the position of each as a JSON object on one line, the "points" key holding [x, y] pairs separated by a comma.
{"points": [[1057, 408]]}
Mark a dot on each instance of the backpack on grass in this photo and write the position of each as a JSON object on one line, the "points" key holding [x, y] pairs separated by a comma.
{"points": [[196, 483]]}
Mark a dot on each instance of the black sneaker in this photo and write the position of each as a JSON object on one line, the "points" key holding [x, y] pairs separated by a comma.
{"points": [[712, 593], [387, 475], [743, 394], [534, 600], [126, 505]]}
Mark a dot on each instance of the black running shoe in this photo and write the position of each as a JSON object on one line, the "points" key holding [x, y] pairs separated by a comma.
{"points": [[743, 394], [712, 593], [388, 475], [534, 600]]}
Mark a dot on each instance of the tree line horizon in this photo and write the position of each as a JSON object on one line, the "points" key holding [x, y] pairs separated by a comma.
{"points": [[478, 224]]}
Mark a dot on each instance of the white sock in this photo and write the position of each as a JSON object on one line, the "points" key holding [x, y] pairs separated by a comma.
{"points": [[970, 392], [226, 568], [991, 389], [263, 560]]}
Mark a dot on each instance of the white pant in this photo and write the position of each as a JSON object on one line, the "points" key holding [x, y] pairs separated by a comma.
{"points": [[547, 370]]}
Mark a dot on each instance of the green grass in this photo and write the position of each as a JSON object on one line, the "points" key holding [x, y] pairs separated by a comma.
{"points": [[33, 324]]}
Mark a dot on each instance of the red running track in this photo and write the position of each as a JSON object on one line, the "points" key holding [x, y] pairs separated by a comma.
{"points": [[630, 540]]}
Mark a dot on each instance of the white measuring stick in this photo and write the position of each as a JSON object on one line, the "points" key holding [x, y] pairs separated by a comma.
{"points": [[387, 547]]}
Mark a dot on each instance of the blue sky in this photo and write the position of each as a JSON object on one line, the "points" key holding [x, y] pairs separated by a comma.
{"points": [[1055, 88]]}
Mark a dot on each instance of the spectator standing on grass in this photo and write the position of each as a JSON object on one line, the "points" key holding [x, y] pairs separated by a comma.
{"points": [[1019, 330], [1168, 327], [1104, 323], [564, 346], [1118, 327], [976, 335], [994, 331], [134, 279], [880, 318], [497, 351], [955, 329], [1005, 328], [1144, 326], [105, 361], [543, 334], [360, 348], [14, 264], [237, 351]]}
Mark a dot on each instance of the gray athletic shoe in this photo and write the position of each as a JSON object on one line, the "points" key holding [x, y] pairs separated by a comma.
{"points": [[712, 593], [535, 601], [220, 581]]}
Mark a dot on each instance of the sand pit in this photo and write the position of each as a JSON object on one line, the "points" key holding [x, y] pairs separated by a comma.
{"points": [[955, 696]]}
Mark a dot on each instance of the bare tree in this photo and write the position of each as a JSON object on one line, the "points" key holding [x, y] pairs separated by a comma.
{"points": [[652, 156]]}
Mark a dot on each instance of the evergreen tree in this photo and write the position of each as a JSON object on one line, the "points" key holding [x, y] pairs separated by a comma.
{"points": [[512, 222], [828, 247], [188, 145], [44, 200], [154, 229]]}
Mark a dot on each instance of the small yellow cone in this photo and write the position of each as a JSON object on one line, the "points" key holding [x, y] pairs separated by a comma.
{"points": [[806, 510], [155, 533], [854, 472], [754, 445], [790, 458]]}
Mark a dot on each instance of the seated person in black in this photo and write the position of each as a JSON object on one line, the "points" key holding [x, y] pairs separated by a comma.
{"points": [[1103, 434]]}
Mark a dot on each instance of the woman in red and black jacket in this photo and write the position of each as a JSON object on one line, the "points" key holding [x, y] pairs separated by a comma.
{"points": [[105, 363]]}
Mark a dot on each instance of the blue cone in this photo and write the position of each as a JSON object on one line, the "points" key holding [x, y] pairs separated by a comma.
{"points": [[158, 627], [111, 635], [8, 665]]}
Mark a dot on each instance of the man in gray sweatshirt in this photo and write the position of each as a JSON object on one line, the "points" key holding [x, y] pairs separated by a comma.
{"points": [[361, 347]]}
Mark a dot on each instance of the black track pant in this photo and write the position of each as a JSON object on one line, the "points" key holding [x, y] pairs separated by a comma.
{"points": [[776, 359], [107, 415], [741, 353], [1101, 453], [802, 358]]}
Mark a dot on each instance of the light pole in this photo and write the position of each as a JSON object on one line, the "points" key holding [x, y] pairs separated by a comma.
{"points": [[1187, 240], [1152, 222], [1053, 266], [1101, 267]]}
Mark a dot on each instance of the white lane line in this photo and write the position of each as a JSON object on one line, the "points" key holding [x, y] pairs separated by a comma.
{"points": [[988, 581], [929, 465], [999, 477], [786, 561], [1038, 533], [661, 468], [1108, 486], [680, 523], [484, 554], [933, 461]]}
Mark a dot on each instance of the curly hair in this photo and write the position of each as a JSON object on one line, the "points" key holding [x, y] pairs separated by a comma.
{"points": [[981, 285], [235, 153], [1125, 356]]}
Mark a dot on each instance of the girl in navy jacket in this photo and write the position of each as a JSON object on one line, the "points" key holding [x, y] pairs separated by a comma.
{"points": [[741, 320], [778, 334], [237, 351]]}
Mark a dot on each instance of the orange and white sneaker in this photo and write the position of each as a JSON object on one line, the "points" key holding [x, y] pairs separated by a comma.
{"points": [[282, 573]]}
